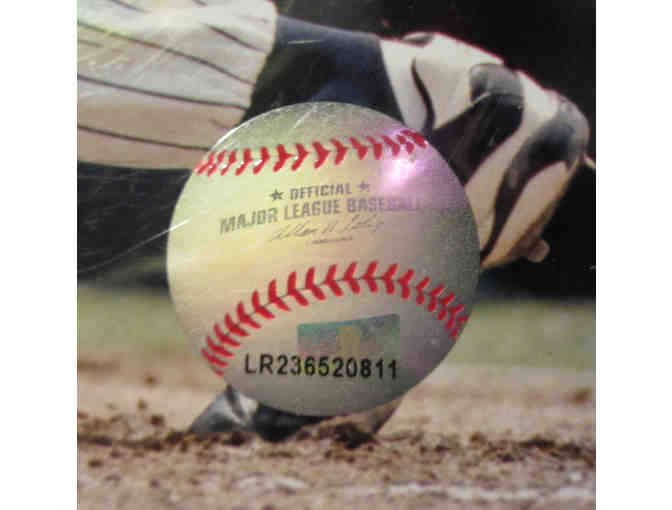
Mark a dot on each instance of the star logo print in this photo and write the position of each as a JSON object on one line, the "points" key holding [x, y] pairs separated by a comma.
{"points": [[276, 195], [364, 186]]}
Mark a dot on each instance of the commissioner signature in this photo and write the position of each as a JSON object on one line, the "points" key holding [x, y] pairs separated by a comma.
{"points": [[370, 223]]}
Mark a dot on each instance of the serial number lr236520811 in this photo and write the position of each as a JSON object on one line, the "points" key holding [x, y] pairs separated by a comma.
{"points": [[323, 366]]}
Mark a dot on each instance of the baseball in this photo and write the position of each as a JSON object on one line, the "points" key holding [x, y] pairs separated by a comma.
{"points": [[323, 258]]}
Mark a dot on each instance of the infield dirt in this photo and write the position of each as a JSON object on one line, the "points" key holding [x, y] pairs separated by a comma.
{"points": [[517, 433], [471, 437]]}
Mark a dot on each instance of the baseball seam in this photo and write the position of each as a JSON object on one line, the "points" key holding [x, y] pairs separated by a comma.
{"points": [[237, 161], [226, 335]]}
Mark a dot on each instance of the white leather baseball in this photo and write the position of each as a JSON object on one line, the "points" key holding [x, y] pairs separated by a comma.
{"points": [[323, 258]]}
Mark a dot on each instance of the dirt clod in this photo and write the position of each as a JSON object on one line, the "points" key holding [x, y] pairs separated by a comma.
{"points": [[150, 380], [157, 420]]}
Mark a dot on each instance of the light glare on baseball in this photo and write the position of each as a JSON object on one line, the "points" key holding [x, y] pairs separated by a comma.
{"points": [[323, 258]]}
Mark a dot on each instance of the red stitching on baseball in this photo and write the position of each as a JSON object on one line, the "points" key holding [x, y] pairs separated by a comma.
{"points": [[232, 159], [322, 154], [461, 321], [361, 149], [341, 150], [259, 308], [310, 285], [417, 138], [454, 324], [369, 276], [420, 288], [444, 303], [409, 146], [303, 153], [244, 318], [224, 338], [247, 159], [405, 281], [233, 327], [283, 156], [218, 161], [218, 349], [265, 156], [273, 296], [213, 360], [392, 145], [388, 278], [377, 147], [434, 295], [330, 280], [453, 313], [257, 158], [206, 163], [350, 279], [293, 291]]}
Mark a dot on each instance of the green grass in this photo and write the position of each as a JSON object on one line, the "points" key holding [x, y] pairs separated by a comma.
{"points": [[529, 333], [122, 320], [533, 333]]}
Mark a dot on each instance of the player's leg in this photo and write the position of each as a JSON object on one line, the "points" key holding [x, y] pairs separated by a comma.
{"points": [[158, 85], [513, 144], [231, 410]]}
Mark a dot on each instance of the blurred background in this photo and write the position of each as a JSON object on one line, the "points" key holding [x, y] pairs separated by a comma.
{"points": [[120, 230], [542, 313]]}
